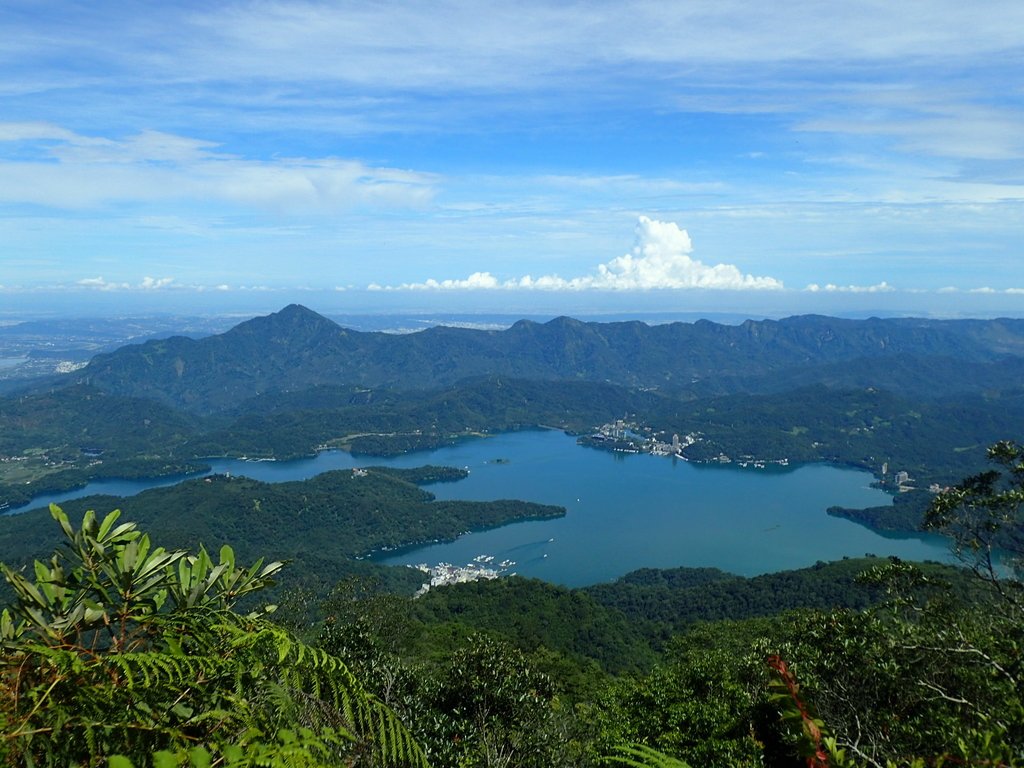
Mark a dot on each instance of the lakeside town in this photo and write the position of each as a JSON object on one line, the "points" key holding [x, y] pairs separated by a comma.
{"points": [[446, 574], [622, 436]]}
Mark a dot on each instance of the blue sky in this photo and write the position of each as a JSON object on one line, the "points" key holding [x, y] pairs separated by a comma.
{"points": [[527, 157]]}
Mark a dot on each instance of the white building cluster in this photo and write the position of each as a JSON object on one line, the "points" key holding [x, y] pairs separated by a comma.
{"points": [[444, 574]]}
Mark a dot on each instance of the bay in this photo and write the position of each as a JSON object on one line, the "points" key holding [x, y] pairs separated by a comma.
{"points": [[636, 510], [623, 511]]}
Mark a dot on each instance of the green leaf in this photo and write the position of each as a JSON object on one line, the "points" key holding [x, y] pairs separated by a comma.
{"points": [[108, 521], [58, 514], [200, 757]]}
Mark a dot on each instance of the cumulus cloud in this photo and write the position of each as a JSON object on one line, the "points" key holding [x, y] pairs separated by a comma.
{"points": [[92, 282], [147, 284], [476, 281], [882, 287], [155, 283], [659, 260]]}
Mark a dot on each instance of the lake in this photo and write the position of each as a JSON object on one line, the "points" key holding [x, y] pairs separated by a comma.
{"points": [[623, 511]]}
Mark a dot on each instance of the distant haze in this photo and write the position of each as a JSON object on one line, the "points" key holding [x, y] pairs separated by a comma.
{"points": [[649, 306]]}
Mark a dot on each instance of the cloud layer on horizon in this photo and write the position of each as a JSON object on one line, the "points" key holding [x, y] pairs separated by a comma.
{"points": [[660, 260]]}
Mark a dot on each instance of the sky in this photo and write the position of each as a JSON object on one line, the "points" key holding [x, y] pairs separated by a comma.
{"points": [[534, 157]]}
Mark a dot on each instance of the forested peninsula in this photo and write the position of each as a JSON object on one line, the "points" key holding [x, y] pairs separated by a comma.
{"points": [[325, 526]]}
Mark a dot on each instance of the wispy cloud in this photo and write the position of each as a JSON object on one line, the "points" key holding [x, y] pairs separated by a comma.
{"points": [[929, 120], [58, 168], [361, 64], [496, 45]]}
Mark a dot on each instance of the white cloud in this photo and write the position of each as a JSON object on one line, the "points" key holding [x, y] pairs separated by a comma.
{"points": [[477, 280], [985, 291], [660, 260], [492, 44], [155, 283], [882, 287], [147, 284], [100, 284], [36, 131], [67, 170], [929, 121]]}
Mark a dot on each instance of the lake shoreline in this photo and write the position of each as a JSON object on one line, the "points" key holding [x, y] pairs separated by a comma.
{"points": [[544, 466]]}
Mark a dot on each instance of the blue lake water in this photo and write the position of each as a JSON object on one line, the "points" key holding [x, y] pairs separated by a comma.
{"points": [[623, 511]]}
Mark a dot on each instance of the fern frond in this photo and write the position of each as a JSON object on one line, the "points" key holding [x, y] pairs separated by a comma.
{"points": [[327, 692], [642, 756]]}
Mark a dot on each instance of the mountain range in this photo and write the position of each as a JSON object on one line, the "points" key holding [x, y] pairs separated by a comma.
{"points": [[297, 348], [924, 396]]}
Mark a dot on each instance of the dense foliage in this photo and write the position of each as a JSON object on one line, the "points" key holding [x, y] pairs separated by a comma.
{"points": [[533, 614], [121, 650]]}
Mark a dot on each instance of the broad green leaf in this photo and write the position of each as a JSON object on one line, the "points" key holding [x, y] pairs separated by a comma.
{"points": [[58, 514], [227, 555], [108, 521]]}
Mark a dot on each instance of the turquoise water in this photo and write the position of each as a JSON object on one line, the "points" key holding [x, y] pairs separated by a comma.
{"points": [[623, 511], [633, 511]]}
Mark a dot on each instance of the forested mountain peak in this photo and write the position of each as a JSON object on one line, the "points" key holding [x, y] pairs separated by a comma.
{"points": [[293, 320]]}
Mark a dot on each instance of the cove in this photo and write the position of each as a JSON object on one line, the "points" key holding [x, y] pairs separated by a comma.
{"points": [[623, 511]]}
